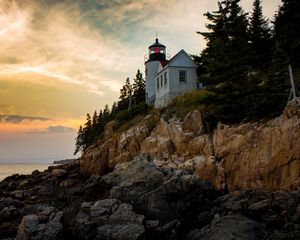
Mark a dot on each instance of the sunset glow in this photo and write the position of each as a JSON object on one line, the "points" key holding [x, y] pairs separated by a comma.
{"points": [[62, 59]]}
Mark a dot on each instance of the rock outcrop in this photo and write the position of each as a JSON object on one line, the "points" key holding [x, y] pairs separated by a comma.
{"points": [[166, 179], [117, 147], [140, 200], [108, 219], [258, 155], [263, 155]]}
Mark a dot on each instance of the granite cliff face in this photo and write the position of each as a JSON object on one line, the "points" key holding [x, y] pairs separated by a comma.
{"points": [[262, 155]]}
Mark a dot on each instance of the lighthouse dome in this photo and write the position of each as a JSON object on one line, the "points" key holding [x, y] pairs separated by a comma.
{"points": [[157, 51]]}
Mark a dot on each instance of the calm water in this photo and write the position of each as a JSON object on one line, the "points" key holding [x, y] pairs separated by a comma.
{"points": [[7, 169]]}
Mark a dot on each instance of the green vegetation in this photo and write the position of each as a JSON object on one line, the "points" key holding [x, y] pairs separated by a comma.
{"points": [[245, 63], [244, 68], [131, 104]]}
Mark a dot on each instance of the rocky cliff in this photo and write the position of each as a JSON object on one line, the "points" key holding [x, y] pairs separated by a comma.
{"points": [[166, 179], [261, 155], [140, 201]]}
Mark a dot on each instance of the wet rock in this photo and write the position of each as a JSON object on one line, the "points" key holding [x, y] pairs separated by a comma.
{"points": [[19, 194], [120, 232], [296, 216], [109, 219], [103, 207], [28, 227], [5, 202], [58, 172], [32, 227], [231, 228]]}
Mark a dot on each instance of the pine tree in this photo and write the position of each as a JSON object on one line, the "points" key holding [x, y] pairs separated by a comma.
{"points": [[98, 130], [138, 88], [286, 30], [94, 125], [260, 37], [100, 118], [87, 132], [125, 95], [227, 54], [114, 109], [226, 60], [106, 114], [79, 141]]}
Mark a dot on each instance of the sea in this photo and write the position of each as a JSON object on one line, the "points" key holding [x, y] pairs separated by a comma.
{"points": [[8, 169]]}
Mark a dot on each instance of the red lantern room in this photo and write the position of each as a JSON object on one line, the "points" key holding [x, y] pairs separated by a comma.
{"points": [[157, 52]]}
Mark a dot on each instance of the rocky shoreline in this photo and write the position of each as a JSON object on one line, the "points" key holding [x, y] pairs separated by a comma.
{"points": [[139, 200]]}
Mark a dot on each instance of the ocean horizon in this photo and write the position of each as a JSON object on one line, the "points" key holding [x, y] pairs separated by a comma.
{"points": [[8, 169]]}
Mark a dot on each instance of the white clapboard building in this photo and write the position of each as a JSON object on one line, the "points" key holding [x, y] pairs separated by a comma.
{"points": [[166, 79]]}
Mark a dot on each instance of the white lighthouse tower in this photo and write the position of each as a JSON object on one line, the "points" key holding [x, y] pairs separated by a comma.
{"points": [[155, 58]]}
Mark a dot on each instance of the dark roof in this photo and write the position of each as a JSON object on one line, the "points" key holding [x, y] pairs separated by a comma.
{"points": [[157, 44], [164, 62]]}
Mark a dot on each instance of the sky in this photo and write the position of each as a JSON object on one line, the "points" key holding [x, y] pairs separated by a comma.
{"points": [[61, 59]]}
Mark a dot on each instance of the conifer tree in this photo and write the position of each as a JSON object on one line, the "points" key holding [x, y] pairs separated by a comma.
{"points": [[226, 60], [79, 141], [106, 114], [286, 30], [227, 54], [260, 37], [87, 132], [125, 95], [114, 109], [99, 124], [138, 88]]}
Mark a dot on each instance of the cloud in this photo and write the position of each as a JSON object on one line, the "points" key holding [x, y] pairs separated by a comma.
{"points": [[57, 39], [94, 44], [60, 129], [15, 119], [91, 45]]}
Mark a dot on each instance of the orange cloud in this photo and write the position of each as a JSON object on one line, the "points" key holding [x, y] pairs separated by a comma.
{"points": [[35, 125]]}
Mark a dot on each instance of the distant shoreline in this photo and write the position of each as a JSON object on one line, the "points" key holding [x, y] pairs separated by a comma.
{"points": [[65, 161]]}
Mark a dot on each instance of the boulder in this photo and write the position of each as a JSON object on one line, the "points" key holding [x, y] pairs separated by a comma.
{"points": [[29, 227], [231, 228], [193, 122], [120, 232], [109, 219], [58, 172], [6, 202], [44, 225], [103, 207]]}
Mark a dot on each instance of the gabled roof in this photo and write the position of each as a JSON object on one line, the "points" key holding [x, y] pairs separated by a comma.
{"points": [[172, 62]]}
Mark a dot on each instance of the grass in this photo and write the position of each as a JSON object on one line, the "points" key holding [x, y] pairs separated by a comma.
{"points": [[130, 117], [186, 103]]}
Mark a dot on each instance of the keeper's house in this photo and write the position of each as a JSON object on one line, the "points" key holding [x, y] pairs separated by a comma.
{"points": [[166, 79]]}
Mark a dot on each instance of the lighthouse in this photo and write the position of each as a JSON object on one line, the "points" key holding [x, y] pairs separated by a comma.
{"points": [[168, 78], [156, 57]]}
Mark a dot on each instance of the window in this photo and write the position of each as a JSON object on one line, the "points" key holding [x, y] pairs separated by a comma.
{"points": [[161, 80], [165, 78], [157, 81], [146, 71], [182, 76]]}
